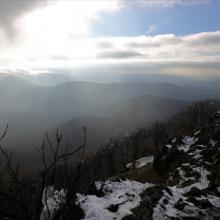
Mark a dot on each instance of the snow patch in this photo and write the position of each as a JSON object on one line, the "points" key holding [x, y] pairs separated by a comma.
{"points": [[52, 201], [188, 142], [124, 195], [141, 162], [213, 143], [214, 200]]}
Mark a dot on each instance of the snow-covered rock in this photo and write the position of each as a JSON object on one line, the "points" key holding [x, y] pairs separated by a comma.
{"points": [[52, 201], [118, 200], [194, 193]]}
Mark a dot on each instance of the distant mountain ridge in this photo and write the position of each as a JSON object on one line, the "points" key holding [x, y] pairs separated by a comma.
{"points": [[103, 107], [85, 98]]}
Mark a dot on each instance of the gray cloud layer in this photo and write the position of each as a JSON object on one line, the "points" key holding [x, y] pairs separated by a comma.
{"points": [[10, 10], [119, 54], [202, 46]]}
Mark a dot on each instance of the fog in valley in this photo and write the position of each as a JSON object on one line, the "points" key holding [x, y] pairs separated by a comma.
{"points": [[31, 107]]}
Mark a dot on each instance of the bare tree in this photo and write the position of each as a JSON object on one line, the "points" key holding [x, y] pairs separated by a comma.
{"points": [[10, 182], [22, 199]]}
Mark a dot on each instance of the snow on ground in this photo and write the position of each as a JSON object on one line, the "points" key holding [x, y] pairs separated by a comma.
{"points": [[52, 200], [166, 210], [214, 200], [213, 143], [141, 162], [196, 133], [159, 212], [183, 175], [203, 183], [121, 196], [187, 143], [178, 193]]}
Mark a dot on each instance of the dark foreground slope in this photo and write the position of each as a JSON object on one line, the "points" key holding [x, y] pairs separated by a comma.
{"points": [[187, 183], [122, 180]]}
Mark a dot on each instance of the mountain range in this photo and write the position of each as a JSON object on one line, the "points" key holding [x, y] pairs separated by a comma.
{"points": [[31, 108]]}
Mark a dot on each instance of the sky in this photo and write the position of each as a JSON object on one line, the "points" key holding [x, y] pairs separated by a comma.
{"points": [[176, 37]]}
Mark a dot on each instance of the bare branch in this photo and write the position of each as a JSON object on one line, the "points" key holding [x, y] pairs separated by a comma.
{"points": [[62, 156], [4, 133]]}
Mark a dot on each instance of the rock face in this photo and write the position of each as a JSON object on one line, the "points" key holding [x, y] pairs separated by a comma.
{"points": [[191, 169], [166, 158]]}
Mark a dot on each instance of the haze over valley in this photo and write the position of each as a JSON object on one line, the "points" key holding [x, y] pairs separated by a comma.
{"points": [[115, 108]]}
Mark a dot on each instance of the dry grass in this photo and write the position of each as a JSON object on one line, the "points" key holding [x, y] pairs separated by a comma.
{"points": [[144, 174]]}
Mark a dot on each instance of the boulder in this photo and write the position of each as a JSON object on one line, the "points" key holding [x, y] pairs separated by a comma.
{"points": [[166, 158]]}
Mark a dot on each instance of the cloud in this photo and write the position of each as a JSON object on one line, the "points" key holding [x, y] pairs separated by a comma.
{"points": [[63, 41], [119, 54], [167, 48], [11, 10], [164, 3], [153, 28], [205, 38], [104, 44], [23, 16], [207, 69]]}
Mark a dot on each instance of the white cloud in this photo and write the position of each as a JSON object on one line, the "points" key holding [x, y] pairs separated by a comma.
{"points": [[202, 46], [49, 31], [165, 3], [191, 54], [153, 28], [199, 46]]}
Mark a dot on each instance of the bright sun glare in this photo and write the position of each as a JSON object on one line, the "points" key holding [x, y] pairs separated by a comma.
{"points": [[60, 29]]}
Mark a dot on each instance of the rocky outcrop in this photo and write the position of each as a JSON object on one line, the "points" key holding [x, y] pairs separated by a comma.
{"points": [[193, 176], [190, 189]]}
